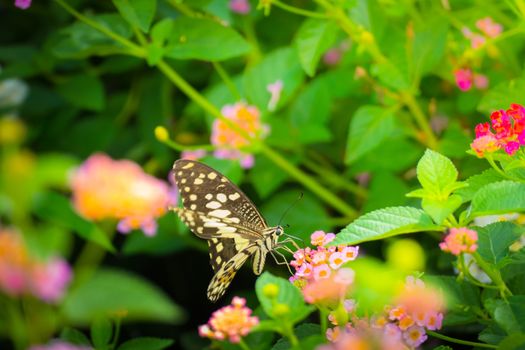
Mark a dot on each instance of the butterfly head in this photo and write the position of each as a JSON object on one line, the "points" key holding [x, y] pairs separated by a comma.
{"points": [[279, 230]]}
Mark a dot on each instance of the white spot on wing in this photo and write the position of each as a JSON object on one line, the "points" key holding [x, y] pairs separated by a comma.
{"points": [[212, 176], [187, 166], [234, 196], [209, 196], [221, 197], [193, 197], [219, 213], [213, 205], [198, 181]]}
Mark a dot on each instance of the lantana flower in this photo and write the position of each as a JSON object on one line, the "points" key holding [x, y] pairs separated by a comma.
{"points": [[506, 132], [104, 188], [460, 240], [23, 4], [401, 326], [231, 145], [489, 29], [466, 78], [230, 322], [23, 274], [241, 7]]}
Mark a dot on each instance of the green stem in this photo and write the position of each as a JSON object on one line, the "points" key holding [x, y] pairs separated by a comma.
{"points": [[243, 345], [278, 159], [290, 334], [118, 323], [472, 279], [251, 36], [494, 275], [495, 166], [226, 78], [420, 118], [459, 341], [323, 320], [134, 49], [179, 147], [297, 10], [309, 182]]}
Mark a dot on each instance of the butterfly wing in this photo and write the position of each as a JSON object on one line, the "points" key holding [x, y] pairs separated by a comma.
{"points": [[223, 277]]}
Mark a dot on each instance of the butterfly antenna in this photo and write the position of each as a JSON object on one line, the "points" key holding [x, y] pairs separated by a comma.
{"points": [[290, 207]]}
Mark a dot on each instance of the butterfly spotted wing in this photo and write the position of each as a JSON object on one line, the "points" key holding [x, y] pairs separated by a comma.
{"points": [[215, 209]]}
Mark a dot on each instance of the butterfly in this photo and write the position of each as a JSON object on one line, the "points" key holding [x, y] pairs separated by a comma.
{"points": [[215, 209]]}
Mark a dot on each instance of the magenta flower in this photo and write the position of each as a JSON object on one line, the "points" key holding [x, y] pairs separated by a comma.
{"points": [[241, 7], [460, 240], [50, 280], [23, 4]]}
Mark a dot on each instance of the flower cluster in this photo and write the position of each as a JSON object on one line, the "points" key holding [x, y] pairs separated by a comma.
{"points": [[466, 78], [508, 135], [21, 273], [228, 142], [488, 28], [105, 188], [460, 240], [402, 326], [230, 322], [319, 272]]}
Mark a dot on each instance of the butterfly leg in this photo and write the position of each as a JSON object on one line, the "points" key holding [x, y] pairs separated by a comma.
{"points": [[284, 262], [290, 240]]}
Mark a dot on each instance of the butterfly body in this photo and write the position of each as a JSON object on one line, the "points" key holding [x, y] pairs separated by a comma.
{"points": [[215, 209]]}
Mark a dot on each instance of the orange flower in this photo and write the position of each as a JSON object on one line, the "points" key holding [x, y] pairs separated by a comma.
{"points": [[228, 141], [105, 188]]}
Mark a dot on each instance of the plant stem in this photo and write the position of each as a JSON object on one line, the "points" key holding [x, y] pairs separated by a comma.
{"points": [[278, 159], [494, 275], [297, 10], [459, 341], [419, 116], [226, 78], [134, 49], [243, 345]]}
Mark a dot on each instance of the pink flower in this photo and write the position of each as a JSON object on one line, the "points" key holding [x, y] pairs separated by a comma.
{"points": [[23, 4], [325, 291], [350, 253], [463, 79], [460, 240], [481, 82], [230, 322], [60, 345], [105, 188], [415, 336], [317, 238], [489, 27], [241, 7], [50, 280], [21, 273], [231, 145], [322, 271], [332, 56], [336, 260], [275, 90]]}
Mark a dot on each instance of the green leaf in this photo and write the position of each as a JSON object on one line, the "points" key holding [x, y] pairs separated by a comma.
{"points": [[288, 295], [111, 291], [511, 315], [385, 223], [146, 343], [314, 37], [429, 45], [498, 198], [81, 40], [494, 241], [101, 332], [502, 95], [57, 209], [310, 112], [440, 209], [266, 177], [370, 126], [138, 13], [74, 336], [385, 190], [281, 64], [84, 91], [203, 39], [308, 335], [476, 182], [436, 174], [514, 341]]}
